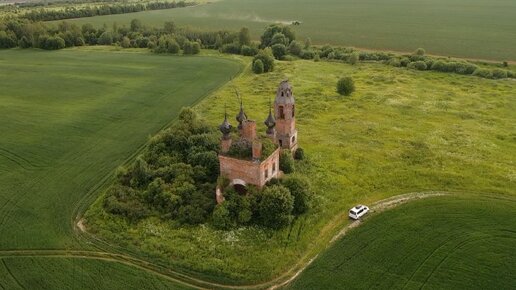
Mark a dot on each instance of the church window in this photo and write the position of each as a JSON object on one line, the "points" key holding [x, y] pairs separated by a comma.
{"points": [[281, 113], [293, 139], [293, 111], [266, 173], [273, 167]]}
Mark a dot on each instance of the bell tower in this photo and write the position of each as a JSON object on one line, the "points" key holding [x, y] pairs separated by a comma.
{"points": [[285, 115]]}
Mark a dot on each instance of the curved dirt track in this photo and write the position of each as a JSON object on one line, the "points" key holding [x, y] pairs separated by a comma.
{"points": [[193, 282]]}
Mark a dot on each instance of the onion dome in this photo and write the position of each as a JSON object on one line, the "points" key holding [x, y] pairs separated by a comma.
{"points": [[270, 122], [241, 117], [225, 127]]}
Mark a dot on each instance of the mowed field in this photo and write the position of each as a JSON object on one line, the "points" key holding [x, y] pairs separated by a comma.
{"points": [[462, 28], [69, 119], [452, 242]]}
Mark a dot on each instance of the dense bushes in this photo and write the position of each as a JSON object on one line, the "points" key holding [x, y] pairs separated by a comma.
{"points": [[267, 59], [286, 162], [175, 178]]}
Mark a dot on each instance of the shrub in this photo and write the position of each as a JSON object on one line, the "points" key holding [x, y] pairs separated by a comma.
{"points": [[221, 217], [300, 190], [404, 61], [483, 73], [7, 40], [105, 38], [345, 86], [295, 48], [353, 58], [394, 62], [275, 207], [439, 66], [299, 154], [420, 51], [286, 163], [417, 65], [279, 38], [233, 48], [317, 58], [258, 67], [505, 64], [192, 47], [248, 50], [266, 58], [279, 50], [499, 73], [172, 46], [510, 74], [307, 54], [53, 43]]}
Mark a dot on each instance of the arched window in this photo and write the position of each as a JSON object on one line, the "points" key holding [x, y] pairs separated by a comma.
{"points": [[293, 110], [293, 139], [281, 112]]}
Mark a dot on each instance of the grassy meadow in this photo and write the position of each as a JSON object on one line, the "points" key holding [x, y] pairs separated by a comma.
{"points": [[71, 117], [453, 242], [401, 131], [462, 28]]}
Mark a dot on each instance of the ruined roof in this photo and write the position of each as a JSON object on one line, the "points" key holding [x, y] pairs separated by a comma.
{"points": [[284, 93]]}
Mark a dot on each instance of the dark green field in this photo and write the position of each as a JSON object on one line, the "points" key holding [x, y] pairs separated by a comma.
{"points": [[465, 242], [69, 118], [463, 28]]}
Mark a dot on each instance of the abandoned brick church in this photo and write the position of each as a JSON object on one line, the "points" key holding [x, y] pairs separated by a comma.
{"points": [[261, 163]]}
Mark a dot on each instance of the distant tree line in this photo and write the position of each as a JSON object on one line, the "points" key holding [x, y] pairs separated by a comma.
{"points": [[106, 9], [24, 33], [176, 177]]}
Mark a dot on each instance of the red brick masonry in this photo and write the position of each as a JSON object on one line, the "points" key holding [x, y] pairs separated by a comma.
{"points": [[251, 172]]}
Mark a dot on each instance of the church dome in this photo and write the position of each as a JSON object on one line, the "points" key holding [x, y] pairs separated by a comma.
{"points": [[225, 127]]}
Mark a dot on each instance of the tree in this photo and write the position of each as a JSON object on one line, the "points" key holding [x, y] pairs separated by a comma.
{"points": [[308, 43], [258, 66], [299, 154], [420, 52], [106, 38], [53, 43], [244, 37], [279, 38], [7, 40], [295, 48], [279, 50], [286, 163], [221, 217], [169, 27], [172, 46], [353, 58], [267, 59], [125, 43], [136, 25], [271, 30], [345, 86], [275, 207], [300, 190], [417, 65], [191, 47]]}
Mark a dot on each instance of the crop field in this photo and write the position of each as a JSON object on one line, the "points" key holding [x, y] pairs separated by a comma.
{"points": [[462, 28], [73, 273], [401, 131], [70, 118], [453, 242]]}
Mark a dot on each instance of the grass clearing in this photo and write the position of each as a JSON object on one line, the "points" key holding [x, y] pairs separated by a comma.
{"points": [[71, 117], [452, 242], [482, 29], [401, 131]]}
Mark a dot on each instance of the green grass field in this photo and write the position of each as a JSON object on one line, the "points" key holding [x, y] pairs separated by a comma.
{"points": [[462, 28], [401, 131], [69, 118], [454, 242], [73, 273]]}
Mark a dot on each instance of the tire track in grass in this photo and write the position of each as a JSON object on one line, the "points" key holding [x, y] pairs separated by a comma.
{"points": [[11, 274]]}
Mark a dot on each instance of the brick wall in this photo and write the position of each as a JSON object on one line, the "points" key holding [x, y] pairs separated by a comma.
{"points": [[252, 172]]}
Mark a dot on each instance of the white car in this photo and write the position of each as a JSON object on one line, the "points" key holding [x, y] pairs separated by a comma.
{"points": [[358, 211]]}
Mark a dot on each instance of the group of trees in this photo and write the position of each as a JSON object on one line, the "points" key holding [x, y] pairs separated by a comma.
{"points": [[176, 177], [274, 207], [167, 39], [106, 9]]}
